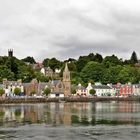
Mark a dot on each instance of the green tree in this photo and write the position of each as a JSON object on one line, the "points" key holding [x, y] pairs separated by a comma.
{"points": [[54, 63], [2, 91], [98, 58], [47, 91], [110, 75], [111, 61], [17, 91], [46, 62], [6, 73], [73, 90], [134, 58], [29, 59], [92, 92], [41, 77], [92, 71], [82, 61]]}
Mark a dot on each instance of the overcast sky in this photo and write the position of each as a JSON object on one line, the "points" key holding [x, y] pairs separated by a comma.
{"points": [[69, 28]]}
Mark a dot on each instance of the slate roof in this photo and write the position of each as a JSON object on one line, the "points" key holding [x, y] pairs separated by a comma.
{"points": [[57, 93], [101, 87], [80, 88], [55, 82]]}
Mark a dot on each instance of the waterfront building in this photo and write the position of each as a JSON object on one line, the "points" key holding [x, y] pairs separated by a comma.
{"points": [[101, 90], [136, 89], [81, 90], [125, 89], [10, 86], [57, 88]]}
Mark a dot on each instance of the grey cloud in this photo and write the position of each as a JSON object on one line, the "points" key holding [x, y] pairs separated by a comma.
{"points": [[69, 28]]}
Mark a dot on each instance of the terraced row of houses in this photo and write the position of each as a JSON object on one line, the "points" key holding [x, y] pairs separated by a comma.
{"points": [[109, 89], [57, 88]]}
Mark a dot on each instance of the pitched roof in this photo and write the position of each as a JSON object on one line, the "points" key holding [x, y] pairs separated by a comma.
{"points": [[101, 87], [80, 87], [55, 82]]}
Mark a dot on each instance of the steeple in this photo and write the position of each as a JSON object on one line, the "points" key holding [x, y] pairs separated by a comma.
{"points": [[66, 68], [66, 81]]}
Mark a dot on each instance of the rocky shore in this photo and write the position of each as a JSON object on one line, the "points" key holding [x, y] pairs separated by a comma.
{"points": [[66, 99]]}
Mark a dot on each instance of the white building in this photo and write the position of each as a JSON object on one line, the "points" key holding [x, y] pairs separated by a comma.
{"points": [[136, 89], [101, 90], [56, 94]]}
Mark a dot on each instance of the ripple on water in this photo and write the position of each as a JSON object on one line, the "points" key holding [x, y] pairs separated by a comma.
{"points": [[40, 132]]}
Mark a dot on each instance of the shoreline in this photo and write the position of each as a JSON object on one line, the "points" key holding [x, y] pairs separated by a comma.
{"points": [[66, 99]]}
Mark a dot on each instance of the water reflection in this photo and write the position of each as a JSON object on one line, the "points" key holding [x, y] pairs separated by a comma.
{"points": [[76, 114]]}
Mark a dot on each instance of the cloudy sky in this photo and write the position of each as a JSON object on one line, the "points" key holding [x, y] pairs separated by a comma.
{"points": [[69, 28]]}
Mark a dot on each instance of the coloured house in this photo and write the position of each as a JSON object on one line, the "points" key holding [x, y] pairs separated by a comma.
{"points": [[81, 90], [10, 86], [126, 90]]}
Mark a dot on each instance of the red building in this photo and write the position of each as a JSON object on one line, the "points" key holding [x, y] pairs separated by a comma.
{"points": [[126, 90]]}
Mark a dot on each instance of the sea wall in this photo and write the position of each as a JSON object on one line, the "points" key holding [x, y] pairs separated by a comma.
{"points": [[66, 99]]}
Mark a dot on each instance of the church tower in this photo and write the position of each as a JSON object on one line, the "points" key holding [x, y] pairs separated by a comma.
{"points": [[66, 81], [10, 53]]}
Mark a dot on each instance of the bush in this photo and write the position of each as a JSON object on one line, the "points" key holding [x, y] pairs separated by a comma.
{"points": [[47, 91], [17, 91], [2, 91], [92, 92]]}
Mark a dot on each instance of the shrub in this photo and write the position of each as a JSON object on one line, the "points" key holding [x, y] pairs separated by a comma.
{"points": [[17, 90]]}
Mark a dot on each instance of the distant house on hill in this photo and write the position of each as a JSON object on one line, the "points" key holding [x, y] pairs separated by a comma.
{"points": [[38, 66], [47, 71]]}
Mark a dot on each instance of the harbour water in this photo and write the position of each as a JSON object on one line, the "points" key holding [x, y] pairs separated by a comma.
{"points": [[70, 121]]}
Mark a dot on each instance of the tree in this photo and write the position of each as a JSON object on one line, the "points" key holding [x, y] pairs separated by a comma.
{"points": [[46, 62], [82, 61], [41, 77], [29, 59], [73, 90], [53, 63], [47, 91], [134, 58], [92, 92], [2, 91], [98, 58], [6, 73], [92, 71], [111, 61], [110, 74], [17, 90]]}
